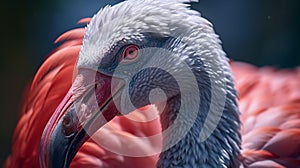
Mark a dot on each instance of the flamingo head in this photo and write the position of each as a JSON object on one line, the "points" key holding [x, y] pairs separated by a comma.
{"points": [[130, 51]]}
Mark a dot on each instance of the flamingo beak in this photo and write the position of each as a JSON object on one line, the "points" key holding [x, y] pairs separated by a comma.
{"points": [[89, 104]]}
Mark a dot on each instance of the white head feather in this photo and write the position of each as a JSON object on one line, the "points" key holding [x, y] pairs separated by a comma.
{"points": [[133, 17]]}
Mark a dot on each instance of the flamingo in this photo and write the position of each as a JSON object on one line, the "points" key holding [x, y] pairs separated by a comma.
{"points": [[133, 52]]}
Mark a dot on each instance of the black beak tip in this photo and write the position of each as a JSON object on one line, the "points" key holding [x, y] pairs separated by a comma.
{"points": [[63, 148], [58, 149]]}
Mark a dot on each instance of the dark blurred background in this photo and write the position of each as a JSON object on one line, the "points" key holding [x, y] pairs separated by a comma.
{"points": [[261, 32]]}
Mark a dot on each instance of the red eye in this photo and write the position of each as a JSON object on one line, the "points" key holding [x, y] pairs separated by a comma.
{"points": [[131, 52]]}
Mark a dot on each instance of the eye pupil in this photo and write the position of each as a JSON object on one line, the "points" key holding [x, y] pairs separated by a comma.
{"points": [[130, 53]]}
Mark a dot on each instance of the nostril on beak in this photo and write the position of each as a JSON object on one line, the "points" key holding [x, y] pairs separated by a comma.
{"points": [[69, 123]]}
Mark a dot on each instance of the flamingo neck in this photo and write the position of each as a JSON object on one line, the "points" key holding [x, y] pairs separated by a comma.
{"points": [[220, 149]]}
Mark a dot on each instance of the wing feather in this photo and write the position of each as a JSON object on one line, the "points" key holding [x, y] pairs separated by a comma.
{"points": [[270, 107], [47, 89]]}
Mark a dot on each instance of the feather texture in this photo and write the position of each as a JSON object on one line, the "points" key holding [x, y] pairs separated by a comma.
{"points": [[269, 102], [270, 106]]}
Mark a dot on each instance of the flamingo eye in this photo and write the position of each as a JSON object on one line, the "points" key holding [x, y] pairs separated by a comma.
{"points": [[130, 53]]}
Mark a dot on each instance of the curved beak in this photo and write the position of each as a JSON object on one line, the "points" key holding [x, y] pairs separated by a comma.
{"points": [[87, 106]]}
